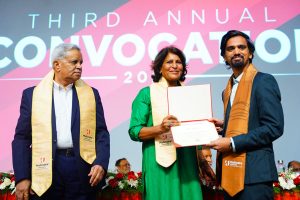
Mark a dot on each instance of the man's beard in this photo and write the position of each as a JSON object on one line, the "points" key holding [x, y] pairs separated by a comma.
{"points": [[238, 64]]}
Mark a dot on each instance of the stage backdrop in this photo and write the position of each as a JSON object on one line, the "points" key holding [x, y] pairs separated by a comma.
{"points": [[119, 39]]}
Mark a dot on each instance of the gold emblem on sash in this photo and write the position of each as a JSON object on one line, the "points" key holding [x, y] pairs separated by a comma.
{"points": [[87, 107], [41, 121]]}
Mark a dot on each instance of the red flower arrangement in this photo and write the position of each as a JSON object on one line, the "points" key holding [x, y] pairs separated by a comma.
{"points": [[7, 185], [288, 185], [123, 186], [131, 182]]}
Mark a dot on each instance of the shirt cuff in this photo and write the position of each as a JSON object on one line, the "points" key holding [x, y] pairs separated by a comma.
{"points": [[232, 144]]}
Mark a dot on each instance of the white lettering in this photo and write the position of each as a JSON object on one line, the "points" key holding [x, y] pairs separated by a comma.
{"points": [[267, 16], [73, 20], [150, 19], [139, 49], [226, 17], [40, 53], [195, 14], [272, 46], [33, 19], [283, 51], [297, 41], [90, 20], [116, 19], [58, 20], [246, 15], [6, 42], [96, 56], [177, 18], [195, 40]]}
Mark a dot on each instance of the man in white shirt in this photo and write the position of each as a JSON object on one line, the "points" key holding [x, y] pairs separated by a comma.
{"points": [[61, 144]]}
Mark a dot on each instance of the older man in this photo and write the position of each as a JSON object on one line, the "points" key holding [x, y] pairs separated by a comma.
{"points": [[123, 166], [61, 144]]}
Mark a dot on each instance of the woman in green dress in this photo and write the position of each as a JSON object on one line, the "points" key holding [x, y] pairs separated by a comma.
{"points": [[168, 173]]}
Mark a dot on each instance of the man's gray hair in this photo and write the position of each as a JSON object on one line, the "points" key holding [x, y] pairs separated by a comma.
{"points": [[60, 51]]}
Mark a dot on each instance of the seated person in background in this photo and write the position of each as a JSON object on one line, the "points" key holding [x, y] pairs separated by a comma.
{"points": [[207, 155], [206, 173], [123, 166], [295, 165]]}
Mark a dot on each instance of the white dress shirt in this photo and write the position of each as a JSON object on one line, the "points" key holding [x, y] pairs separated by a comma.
{"points": [[63, 114], [234, 87], [232, 96]]}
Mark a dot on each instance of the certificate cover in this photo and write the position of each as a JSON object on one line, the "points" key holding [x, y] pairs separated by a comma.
{"points": [[190, 103], [192, 106]]}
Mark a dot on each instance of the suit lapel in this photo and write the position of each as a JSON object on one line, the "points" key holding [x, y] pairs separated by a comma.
{"points": [[75, 107], [226, 117]]}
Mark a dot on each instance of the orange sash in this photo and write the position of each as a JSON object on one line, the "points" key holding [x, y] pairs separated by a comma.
{"points": [[233, 164]]}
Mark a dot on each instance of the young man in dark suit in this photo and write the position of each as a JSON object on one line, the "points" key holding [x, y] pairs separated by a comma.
{"points": [[253, 119]]}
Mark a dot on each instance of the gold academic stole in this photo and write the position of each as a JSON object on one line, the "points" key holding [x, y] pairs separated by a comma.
{"points": [[87, 107], [42, 130]]}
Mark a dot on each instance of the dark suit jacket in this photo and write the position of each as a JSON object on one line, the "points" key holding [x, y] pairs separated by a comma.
{"points": [[265, 125], [21, 145]]}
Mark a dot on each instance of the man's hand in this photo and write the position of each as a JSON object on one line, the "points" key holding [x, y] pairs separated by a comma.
{"points": [[22, 189], [221, 144], [96, 174]]}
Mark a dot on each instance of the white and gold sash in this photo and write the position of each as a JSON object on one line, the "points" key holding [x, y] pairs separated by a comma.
{"points": [[165, 151], [41, 120]]}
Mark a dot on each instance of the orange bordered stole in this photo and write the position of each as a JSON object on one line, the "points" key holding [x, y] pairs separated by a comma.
{"points": [[233, 164]]}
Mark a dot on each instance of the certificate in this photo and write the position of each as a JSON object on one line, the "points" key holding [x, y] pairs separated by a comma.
{"points": [[194, 133], [192, 106]]}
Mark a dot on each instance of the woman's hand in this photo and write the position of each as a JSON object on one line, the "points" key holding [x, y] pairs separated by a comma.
{"points": [[147, 133], [168, 122]]}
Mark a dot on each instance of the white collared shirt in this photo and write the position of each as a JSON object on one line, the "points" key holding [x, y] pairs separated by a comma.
{"points": [[63, 114], [234, 87], [232, 96]]}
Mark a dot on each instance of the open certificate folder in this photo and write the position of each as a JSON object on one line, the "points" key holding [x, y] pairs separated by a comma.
{"points": [[192, 106]]}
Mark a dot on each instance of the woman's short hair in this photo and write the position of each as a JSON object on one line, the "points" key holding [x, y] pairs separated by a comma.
{"points": [[159, 60]]}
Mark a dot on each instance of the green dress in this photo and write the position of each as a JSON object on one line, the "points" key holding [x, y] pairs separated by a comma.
{"points": [[180, 180]]}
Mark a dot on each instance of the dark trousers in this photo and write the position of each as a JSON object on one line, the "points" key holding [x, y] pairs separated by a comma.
{"points": [[258, 191], [66, 183]]}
